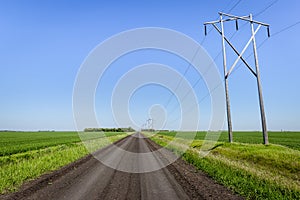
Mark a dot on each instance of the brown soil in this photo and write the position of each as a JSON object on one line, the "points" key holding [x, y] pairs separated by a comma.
{"points": [[88, 178]]}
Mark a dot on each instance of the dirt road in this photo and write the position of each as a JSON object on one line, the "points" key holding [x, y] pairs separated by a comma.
{"points": [[88, 178]]}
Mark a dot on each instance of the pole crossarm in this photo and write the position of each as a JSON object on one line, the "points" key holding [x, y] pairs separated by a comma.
{"points": [[224, 20], [248, 18]]}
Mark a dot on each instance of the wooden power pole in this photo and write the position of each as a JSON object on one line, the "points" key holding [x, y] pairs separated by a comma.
{"points": [[225, 18]]}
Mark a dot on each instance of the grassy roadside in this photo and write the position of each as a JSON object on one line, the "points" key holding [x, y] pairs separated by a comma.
{"points": [[16, 168], [288, 139], [17, 142], [254, 171]]}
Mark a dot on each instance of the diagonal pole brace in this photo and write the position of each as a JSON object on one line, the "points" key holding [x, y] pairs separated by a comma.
{"points": [[236, 51], [243, 51]]}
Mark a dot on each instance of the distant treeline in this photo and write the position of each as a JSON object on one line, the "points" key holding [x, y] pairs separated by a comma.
{"points": [[162, 130], [152, 130], [148, 130], [129, 129]]}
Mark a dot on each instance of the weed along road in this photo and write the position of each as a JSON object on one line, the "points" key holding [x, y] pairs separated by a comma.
{"points": [[128, 177]]}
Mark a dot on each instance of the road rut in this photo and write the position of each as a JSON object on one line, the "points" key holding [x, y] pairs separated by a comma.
{"points": [[88, 178]]}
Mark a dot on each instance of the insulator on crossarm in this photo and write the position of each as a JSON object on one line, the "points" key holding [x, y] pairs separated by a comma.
{"points": [[268, 30], [236, 25]]}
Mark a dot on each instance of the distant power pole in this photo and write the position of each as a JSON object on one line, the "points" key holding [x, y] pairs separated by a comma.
{"points": [[256, 73], [149, 122], [143, 127]]}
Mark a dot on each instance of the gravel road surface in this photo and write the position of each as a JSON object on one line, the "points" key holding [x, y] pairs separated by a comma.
{"points": [[88, 178]]}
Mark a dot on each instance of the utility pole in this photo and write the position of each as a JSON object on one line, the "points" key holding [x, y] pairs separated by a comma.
{"points": [[261, 102], [229, 124], [149, 122], [143, 127], [256, 73]]}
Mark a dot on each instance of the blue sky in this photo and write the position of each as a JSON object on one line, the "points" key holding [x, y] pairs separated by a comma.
{"points": [[43, 44]]}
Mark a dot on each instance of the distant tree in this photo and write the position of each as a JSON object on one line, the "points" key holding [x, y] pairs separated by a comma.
{"points": [[129, 129]]}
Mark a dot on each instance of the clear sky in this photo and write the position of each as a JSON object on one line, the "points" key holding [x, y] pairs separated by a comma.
{"points": [[43, 44]]}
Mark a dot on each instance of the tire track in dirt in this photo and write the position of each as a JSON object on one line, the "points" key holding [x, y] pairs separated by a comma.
{"points": [[88, 178]]}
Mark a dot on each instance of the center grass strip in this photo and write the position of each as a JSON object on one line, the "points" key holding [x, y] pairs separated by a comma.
{"points": [[252, 170], [18, 168]]}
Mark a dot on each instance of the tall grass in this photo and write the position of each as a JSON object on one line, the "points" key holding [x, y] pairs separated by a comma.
{"points": [[17, 168], [16, 142], [289, 139], [254, 171]]}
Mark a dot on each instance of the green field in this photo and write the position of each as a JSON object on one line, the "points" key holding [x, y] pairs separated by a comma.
{"points": [[27, 155], [249, 168], [17, 142], [246, 166], [289, 139]]}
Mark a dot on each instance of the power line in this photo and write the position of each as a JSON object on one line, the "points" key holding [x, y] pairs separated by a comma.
{"points": [[266, 8], [233, 71], [235, 5], [221, 82], [249, 19], [186, 70], [286, 28], [233, 35], [201, 77], [255, 15], [198, 80], [265, 40], [189, 65]]}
